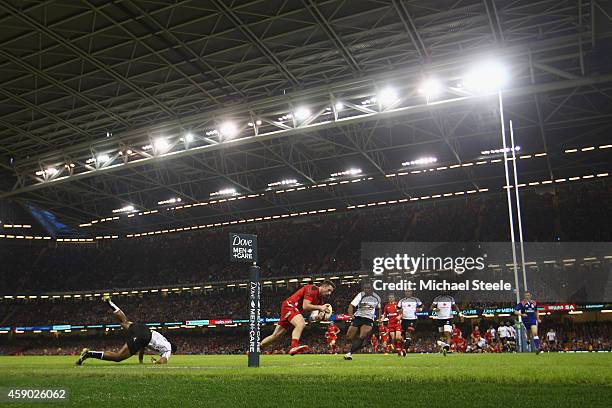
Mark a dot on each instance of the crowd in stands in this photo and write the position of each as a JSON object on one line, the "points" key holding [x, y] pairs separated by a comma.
{"points": [[218, 304], [301, 246], [231, 302], [225, 303], [570, 336], [578, 337]]}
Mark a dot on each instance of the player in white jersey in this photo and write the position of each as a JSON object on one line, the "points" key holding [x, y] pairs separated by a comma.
{"points": [[511, 338], [502, 332], [443, 305], [410, 305], [551, 338], [138, 338], [364, 309], [512, 331]]}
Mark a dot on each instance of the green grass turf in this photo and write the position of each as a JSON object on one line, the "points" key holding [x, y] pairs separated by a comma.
{"points": [[488, 380]]}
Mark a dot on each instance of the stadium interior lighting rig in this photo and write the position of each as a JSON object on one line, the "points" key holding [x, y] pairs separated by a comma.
{"points": [[324, 109]]}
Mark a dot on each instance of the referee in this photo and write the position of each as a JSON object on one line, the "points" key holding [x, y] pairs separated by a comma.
{"points": [[368, 305]]}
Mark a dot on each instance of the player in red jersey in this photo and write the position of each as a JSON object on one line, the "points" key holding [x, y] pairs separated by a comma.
{"points": [[384, 338], [475, 335], [478, 343], [394, 324], [490, 336], [331, 335], [456, 338], [455, 343], [458, 343], [456, 333], [462, 345], [374, 341], [307, 299], [495, 348]]}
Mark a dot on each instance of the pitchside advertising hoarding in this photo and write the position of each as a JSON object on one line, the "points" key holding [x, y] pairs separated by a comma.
{"points": [[484, 273]]}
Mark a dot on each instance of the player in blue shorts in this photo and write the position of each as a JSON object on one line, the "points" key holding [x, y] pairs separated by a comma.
{"points": [[528, 310]]}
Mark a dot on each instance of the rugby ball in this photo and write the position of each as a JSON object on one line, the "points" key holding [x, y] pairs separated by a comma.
{"points": [[318, 316]]}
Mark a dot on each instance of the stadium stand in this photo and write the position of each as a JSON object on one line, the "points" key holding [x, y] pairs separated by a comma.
{"points": [[333, 243]]}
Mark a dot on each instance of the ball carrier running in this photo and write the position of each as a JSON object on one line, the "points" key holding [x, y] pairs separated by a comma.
{"points": [[307, 299]]}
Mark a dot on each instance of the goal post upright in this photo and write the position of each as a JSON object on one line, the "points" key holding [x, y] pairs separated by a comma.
{"points": [[510, 213]]}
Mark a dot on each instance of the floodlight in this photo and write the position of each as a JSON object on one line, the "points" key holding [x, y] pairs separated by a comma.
{"points": [[387, 96], [302, 113], [228, 129], [485, 77]]}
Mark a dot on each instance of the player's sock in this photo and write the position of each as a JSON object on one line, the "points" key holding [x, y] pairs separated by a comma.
{"points": [[110, 304], [398, 346], [536, 342], [356, 344], [96, 354], [407, 343], [295, 343]]}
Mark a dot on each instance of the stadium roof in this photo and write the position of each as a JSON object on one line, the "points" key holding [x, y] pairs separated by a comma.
{"points": [[107, 105]]}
